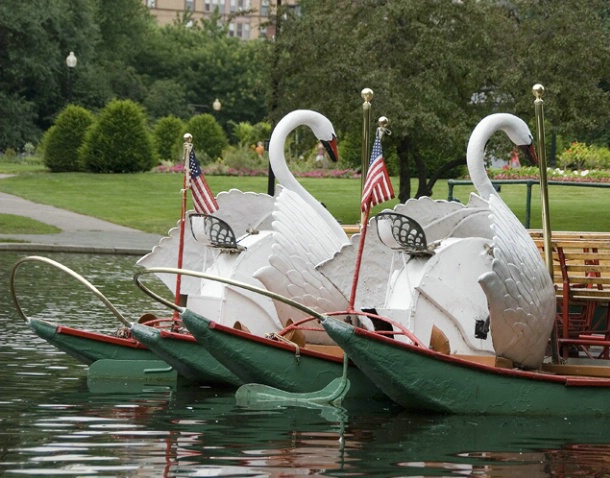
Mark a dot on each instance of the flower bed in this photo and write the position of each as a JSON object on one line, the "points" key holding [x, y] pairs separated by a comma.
{"points": [[215, 170], [556, 174]]}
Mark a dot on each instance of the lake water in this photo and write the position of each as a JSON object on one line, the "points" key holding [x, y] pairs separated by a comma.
{"points": [[54, 423]]}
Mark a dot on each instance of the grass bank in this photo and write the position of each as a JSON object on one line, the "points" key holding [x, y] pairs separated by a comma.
{"points": [[151, 202]]}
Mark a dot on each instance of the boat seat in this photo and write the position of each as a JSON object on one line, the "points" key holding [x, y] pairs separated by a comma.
{"points": [[581, 268]]}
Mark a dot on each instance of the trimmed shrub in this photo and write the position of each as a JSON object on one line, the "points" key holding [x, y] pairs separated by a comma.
{"points": [[62, 141], [209, 139], [167, 137], [119, 141]]}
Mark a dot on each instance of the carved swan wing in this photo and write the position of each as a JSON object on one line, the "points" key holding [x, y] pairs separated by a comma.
{"points": [[519, 290], [301, 241]]}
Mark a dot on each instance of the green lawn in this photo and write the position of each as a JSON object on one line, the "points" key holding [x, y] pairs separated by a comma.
{"points": [[151, 202]]}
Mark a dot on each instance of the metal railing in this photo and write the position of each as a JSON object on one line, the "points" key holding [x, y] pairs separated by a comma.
{"points": [[528, 182]]}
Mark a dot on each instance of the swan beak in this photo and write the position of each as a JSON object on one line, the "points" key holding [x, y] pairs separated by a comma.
{"points": [[331, 148], [530, 152]]}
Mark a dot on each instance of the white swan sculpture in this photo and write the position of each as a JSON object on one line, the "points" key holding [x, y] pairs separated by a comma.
{"points": [[482, 243], [249, 214], [519, 288]]}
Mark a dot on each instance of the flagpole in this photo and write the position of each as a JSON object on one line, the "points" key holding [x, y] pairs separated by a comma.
{"points": [[367, 96], [186, 151], [381, 129], [538, 90]]}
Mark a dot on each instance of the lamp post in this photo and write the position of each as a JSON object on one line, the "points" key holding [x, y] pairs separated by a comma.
{"points": [[217, 105], [71, 63]]}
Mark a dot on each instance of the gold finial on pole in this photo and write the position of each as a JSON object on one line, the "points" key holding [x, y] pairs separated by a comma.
{"points": [[538, 91], [382, 123], [186, 153], [367, 96]]}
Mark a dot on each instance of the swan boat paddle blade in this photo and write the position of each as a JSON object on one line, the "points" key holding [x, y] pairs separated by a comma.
{"points": [[255, 394]]}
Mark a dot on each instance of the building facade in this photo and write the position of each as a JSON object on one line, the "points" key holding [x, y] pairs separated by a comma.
{"points": [[253, 23]]}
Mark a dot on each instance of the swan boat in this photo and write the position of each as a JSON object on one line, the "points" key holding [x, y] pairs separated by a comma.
{"points": [[517, 379], [232, 251], [238, 259]]}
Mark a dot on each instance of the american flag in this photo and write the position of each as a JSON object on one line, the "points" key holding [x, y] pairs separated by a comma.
{"points": [[203, 199], [377, 187]]}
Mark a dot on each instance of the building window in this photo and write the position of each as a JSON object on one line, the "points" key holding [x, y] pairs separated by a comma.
{"points": [[206, 6], [190, 5], [246, 35], [220, 4], [231, 29], [233, 5], [240, 30], [151, 3], [265, 8]]}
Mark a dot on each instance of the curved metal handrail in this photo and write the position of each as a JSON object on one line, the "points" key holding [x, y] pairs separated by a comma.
{"points": [[68, 271], [297, 305]]}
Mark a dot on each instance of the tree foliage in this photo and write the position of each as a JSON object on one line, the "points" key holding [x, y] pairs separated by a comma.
{"points": [[167, 137], [209, 139], [65, 137], [122, 53], [119, 141], [437, 67]]}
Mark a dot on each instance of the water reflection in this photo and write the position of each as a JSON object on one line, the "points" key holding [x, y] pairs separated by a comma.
{"points": [[54, 423]]}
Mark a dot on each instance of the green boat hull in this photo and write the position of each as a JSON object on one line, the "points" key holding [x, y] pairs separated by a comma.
{"points": [[88, 347], [260, 360], [190, 359], [423, 380]]}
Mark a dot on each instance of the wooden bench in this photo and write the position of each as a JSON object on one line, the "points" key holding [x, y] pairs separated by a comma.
{"points": [[581, 266]]}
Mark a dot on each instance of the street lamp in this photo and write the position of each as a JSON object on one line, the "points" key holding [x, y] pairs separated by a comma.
{"points": [[71, 63], [216, 105]]}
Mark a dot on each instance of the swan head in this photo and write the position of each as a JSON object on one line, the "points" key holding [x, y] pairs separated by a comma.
{"points": [[519, 133], [323, 130], [319, 124]]}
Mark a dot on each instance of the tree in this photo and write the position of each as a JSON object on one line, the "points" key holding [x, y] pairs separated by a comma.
{"points": [[209, 139], [165, 98], [206, 64], [65, 137], [167, 137], [563, 46], [436, 68], [119, 141], [35, 38]]}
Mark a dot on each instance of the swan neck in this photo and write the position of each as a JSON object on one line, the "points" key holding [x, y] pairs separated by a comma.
{"points": [[475, 158], [277, 159]]}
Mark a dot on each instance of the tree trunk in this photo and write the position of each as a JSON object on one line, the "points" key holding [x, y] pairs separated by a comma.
{"points": [[422, 175], [404, 177], [454, 163]]}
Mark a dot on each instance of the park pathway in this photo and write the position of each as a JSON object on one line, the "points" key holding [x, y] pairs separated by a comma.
{"points": [[78, 232]]}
